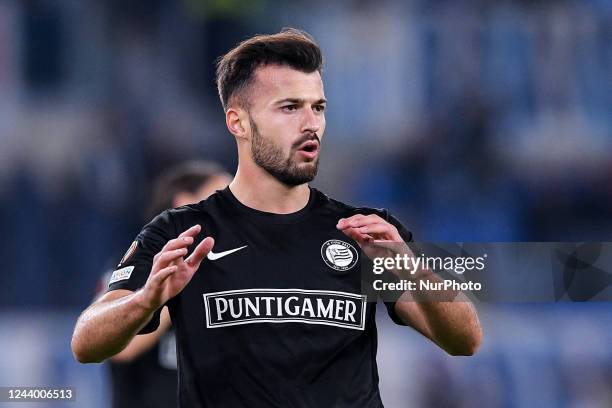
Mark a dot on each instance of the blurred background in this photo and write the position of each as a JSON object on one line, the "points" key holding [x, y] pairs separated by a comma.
{"points": [[469, 120]]}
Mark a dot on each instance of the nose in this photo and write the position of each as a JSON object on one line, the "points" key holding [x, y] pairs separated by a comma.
{"points": [[311, 122]]}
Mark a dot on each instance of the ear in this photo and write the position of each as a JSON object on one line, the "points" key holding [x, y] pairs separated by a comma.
{"points": [[236, 120]]}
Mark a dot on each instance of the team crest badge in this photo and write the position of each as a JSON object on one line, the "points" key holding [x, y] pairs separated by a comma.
{"points": [[339, 255]]}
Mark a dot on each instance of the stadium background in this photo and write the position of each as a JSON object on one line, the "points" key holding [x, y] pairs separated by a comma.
{"points": [[469, 120]]}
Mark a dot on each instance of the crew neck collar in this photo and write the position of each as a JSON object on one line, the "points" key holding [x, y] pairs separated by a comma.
{"points": [[268, 216]]}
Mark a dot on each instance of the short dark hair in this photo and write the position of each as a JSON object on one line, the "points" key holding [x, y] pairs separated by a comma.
{"points": [[185, 177], [290, 47]]}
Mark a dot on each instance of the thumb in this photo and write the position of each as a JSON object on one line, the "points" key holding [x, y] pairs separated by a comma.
{"points": [[200, 252]]}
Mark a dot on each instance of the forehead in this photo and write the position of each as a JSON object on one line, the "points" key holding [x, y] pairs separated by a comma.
{"points": [[274, 82]]}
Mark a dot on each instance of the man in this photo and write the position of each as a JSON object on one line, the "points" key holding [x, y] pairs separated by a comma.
{"points": [[274, 316], [144, 373]]}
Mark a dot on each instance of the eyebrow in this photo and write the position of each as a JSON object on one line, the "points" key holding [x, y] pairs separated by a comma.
{"points": [[300, 101]]}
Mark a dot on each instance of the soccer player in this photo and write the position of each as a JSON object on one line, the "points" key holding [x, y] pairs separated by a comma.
{"points": [[144, 373], [262, 279]]}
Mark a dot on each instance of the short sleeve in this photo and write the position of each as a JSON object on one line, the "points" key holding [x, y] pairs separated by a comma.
{"points": [[404, 233], [135, 266], [407, 237]]}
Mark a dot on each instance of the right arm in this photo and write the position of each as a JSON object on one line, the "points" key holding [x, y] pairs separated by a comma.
{"points": [[144, 342], [108, 325]]}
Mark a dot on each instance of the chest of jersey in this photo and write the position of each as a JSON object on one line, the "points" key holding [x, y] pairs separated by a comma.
{"points": [[275, 316], [295, 273]]}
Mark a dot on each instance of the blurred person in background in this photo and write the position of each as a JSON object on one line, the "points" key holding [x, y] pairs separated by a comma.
{"points": [[272, 230], [144, 373]]}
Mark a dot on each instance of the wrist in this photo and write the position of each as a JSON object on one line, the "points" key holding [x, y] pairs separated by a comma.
{"points": [[144, 302]]}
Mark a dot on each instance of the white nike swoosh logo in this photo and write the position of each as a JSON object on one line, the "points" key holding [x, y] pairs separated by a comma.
{"points": [[213, 257]]}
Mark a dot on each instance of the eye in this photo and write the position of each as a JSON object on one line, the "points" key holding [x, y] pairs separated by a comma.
{"points": [[319, 108], [289, 108]]}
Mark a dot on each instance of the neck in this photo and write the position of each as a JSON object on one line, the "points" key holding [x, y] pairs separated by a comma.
{"points": [[256, 188]]}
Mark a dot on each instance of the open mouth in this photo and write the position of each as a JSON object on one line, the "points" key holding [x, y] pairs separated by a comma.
{"points": [[309, 147]]}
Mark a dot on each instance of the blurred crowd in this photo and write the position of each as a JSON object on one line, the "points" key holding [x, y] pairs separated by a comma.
{"points": [[470, 120]]}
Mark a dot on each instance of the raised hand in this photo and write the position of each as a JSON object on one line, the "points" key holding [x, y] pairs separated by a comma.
{"points": [[375, 236], [170, 272]]}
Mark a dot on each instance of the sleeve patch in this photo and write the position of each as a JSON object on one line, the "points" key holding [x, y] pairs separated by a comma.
{"points": [[121, 274], [129, 253]]}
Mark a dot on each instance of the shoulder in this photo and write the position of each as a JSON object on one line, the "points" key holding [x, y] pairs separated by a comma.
{"points": [[204, 213], [344, 210], [206, 207]]}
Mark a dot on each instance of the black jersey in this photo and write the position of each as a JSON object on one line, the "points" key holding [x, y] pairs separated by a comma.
{"points": [[274, 317], [149, 381]]}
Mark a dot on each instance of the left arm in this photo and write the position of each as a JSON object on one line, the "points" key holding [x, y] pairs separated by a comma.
{"points": [[452, 325]]}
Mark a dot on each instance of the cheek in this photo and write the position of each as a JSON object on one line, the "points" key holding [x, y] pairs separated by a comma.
{"points": [[271, 124], [322, 127], [279, 131]]}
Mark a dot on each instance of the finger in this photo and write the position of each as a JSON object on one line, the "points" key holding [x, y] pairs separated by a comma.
{"points": [[163, 274], [358, 221], [191, 232], [366, 219], [177, 243], [200, 252], [388, 231], [357, 236], [166, 257], [344, 222]]}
